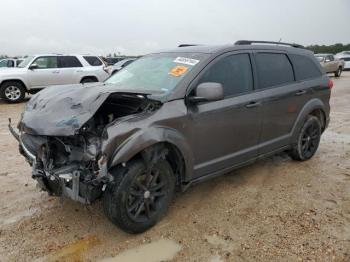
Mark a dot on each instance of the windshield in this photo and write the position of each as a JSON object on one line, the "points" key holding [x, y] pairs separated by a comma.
{"points": [[26, 61], [157, 72]]}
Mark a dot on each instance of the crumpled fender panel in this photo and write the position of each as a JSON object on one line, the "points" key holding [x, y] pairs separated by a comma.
{"points": [[146, 138]]}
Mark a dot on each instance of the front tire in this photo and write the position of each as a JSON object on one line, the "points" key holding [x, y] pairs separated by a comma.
{"points": [[308, 140], [12, 92], [338, 72], [139, 198]]}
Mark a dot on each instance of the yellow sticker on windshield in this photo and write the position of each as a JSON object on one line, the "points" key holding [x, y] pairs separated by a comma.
{"points": [[178, 70]]}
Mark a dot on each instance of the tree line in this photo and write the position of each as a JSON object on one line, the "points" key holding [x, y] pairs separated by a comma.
{"points": [[333, 49]]}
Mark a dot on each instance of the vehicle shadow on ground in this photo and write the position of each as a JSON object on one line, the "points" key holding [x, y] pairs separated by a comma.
{"points": [[90, 219], [3, 102]]}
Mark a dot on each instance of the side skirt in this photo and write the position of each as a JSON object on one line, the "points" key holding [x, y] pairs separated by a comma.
{"points": [[204, 178]]}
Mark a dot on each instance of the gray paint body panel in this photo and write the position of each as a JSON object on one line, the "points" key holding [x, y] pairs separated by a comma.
{"points": [[212, 137]]}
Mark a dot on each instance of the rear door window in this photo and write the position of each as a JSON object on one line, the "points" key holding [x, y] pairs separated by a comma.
{"points": [[68, 62], [45, 62], [273, 69], [93, 60], [234, 72], [304, 67], [10, 63]]}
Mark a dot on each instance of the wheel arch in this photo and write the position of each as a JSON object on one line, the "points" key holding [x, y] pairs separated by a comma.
{"points": [[15, 80], [314, 107], [89, 76], [177, 153]]}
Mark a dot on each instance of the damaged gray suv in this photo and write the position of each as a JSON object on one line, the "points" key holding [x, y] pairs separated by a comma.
{"points": [[173, 119]]}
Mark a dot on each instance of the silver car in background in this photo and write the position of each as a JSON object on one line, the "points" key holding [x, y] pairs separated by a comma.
{"points": [[40, 71], [345, 56], [120, 65], [330, 64]]}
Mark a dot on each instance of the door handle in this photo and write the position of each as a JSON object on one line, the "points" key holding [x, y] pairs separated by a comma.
{"points": [[55, 72], [301, 92], [252, 104]]}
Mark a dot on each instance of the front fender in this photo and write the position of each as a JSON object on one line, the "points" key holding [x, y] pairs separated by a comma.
{"points": [[143, 139]]}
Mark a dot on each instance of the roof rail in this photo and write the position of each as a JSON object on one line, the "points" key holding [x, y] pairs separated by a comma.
{"points": [[186, 45], [249, 42]]}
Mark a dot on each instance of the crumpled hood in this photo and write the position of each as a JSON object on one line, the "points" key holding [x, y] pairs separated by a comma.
{"points": [[63, 110]]}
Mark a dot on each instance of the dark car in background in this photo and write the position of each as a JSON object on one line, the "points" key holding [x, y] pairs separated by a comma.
{"points": [[171, 120]]}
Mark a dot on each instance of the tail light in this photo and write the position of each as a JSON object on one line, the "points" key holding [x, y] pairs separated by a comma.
{"points": [[330, 84]]}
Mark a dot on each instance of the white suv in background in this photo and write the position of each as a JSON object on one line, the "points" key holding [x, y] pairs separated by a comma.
{"points": [[40, 71]]}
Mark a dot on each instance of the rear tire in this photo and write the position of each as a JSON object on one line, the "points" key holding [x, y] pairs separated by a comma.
{"points": [[308, 140], [138, 199], [338, 72], [12, 91]]}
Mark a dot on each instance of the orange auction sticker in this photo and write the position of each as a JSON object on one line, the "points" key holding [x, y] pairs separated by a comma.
{"points": [[178, 70]]}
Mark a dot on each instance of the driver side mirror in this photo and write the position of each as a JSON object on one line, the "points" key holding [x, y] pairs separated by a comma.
{"points": [[208, 91], [33, 66]]}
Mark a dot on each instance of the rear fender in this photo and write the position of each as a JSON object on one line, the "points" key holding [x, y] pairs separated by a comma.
{"points": [[310, 106]]}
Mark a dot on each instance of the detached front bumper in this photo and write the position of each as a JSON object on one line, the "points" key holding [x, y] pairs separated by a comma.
{"points": [[65, 181], [22, 149]]}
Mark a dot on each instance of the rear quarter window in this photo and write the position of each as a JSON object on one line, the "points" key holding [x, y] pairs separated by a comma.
{"points": [[68, 62], [273, 69], [93, 60], [304, 67]]}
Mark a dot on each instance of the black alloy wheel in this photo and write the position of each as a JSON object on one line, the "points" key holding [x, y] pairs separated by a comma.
{"points": [[140, 196], [308, 140]]}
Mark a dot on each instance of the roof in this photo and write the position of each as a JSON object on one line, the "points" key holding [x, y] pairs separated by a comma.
{"points": [[211, 49]]}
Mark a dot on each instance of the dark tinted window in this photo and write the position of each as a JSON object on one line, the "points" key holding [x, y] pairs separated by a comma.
{"points": [[304, 67], [345, 58], [233, 72], [46, 62], [273, 69], [68, 61], [93, 60], [10, 63]]}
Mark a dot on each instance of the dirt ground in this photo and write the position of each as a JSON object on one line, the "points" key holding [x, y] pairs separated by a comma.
{"points": [[274, 210]]}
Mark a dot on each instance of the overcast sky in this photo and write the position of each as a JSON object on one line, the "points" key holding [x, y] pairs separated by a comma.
{"points": [[138, 27]]}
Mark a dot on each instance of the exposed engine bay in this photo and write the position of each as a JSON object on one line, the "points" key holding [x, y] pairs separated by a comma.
{"points": [[74, 165]]}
